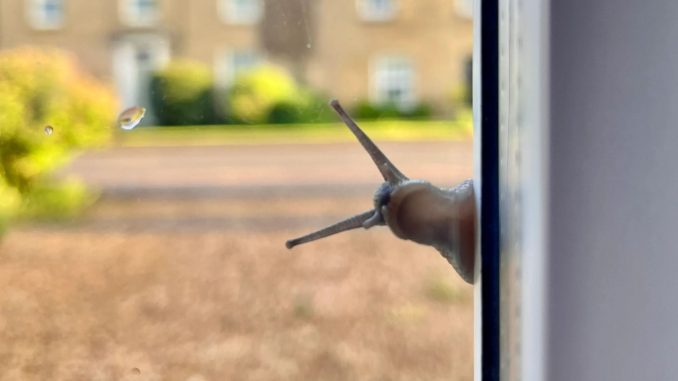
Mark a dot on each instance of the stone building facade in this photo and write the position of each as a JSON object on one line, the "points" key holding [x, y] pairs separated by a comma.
{"points": [[400, 51]]}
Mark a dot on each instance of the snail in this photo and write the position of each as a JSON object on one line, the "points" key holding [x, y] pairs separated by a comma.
{"points": [[413, 209]]}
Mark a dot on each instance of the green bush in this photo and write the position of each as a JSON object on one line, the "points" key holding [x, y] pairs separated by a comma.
{"points": [[182, 94], [255, 93], [365, 110], [285, 111], [40, 88], [56, 201], [306, 107], [10, 202], [420, 111], [369, 111]]}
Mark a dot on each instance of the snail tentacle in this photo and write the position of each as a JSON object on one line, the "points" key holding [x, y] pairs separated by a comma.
{"points": [[386, 167], [347, 224]]}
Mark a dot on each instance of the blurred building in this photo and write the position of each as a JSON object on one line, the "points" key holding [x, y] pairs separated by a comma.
{"points": [[400, 51]]}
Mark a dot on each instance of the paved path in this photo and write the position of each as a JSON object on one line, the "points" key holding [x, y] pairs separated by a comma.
{"points": [[263, 169], [245, 188]]}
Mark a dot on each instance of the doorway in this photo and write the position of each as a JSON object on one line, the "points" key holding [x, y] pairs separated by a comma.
{"points": [[135, 58]]}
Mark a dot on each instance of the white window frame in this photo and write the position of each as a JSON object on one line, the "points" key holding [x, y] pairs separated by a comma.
{"points": [[231, 12], [132, 16], [373, 10], [392, 72], [226, 70], [38, 18]]}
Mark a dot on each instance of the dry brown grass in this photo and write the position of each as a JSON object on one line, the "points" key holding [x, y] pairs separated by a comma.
{"points": [[124, 299]]}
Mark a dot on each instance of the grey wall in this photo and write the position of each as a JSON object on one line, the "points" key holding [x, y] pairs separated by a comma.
{"points": [[612, 256]]}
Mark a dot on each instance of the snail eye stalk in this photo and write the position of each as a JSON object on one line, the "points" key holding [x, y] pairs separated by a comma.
{"points": [[444, 219], [391, 174], [389, 171], [347, 224]]}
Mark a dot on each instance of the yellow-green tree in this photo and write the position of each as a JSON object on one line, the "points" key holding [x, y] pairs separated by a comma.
{"points": [[39, 89]]}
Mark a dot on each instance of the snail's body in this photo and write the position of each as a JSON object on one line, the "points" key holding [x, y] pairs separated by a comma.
{"points": [[442, 218], [414, 210]]}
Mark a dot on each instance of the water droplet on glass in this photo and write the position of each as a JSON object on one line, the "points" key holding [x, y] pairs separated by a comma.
{"points": [[136, 370], [49, 130], [131, 117]]}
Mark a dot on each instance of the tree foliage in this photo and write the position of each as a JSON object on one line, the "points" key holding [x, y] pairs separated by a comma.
{"points": [[40, 89]]}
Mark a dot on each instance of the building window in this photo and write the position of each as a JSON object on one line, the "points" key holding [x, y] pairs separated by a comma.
{"points": [[46, 14], [376, 10], [240, 11], [393, 82], [233, 63], [139, 12], [464, 8]]}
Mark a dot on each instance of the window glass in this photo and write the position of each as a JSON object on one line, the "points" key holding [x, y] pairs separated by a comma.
{"points": [[139, 12], [240, 11], [393, 79], [235, 62], [156, 155], [376, 10], [464, 7], [46, 14]]}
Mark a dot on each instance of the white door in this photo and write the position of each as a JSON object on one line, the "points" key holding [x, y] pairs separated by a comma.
{"points": [[135, 58]]}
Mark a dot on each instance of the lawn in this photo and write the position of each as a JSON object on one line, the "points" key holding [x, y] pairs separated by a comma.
{"points": [[179, 272], [383, 130]]}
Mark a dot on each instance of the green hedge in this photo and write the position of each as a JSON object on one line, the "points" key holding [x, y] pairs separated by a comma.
{"points": [[40, 88], [369, 111], [182, 94], [254, 94], [306, 107]]}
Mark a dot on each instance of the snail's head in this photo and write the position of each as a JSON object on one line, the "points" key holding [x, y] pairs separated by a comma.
{"points": [[413, 210]]}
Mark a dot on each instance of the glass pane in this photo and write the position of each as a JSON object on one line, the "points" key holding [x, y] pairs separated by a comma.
{"points": [[45, 14], [156, 155]]}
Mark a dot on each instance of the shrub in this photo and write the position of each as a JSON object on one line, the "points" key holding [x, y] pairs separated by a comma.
{"points": [[367, 110], [255, 93], [461, 96], [182, 94], [56, 201], [40, 88], [285, 111], [306, 107], [10, 201], [420, 111]]}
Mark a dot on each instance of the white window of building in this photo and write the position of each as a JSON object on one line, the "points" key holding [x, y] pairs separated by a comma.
{"points": [[376, 10], [393, 81], [139, 12], [45, 14], [240, 11], [231, 64], [464, 7]]}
